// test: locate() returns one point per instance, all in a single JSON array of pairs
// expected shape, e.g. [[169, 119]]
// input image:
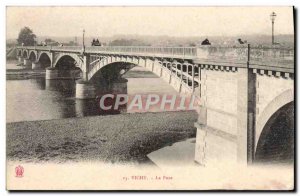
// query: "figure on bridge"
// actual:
[[96, 43], [241, 41], [205, 42]]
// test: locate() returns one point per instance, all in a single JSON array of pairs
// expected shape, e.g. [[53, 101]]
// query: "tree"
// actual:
[[26, 37], [49, 40], [128, 42]]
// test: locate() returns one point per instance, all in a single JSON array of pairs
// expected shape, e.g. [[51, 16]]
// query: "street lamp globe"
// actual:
[[273, 16]]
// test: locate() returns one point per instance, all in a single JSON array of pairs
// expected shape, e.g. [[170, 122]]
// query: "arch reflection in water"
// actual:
[[65, 87], [39, 82], [71, 107], [116, 87]]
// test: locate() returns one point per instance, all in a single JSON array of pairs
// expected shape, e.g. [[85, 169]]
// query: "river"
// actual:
[[38, 99]]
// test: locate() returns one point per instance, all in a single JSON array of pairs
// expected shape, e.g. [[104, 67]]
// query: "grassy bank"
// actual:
[[115, 138]]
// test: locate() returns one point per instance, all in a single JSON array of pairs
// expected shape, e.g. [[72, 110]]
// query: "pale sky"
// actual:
[[171, 21]]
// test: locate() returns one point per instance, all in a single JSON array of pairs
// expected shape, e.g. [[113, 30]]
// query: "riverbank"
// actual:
[[114, 138], [22, 74], [16, 71]]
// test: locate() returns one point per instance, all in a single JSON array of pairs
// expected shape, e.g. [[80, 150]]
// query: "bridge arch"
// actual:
[[162, 69], [275, 130], [44, 54], [32, 56], [25, 54], [125, 64], [113, 70], [69, 65], [44, 60], [19, 52], [67, 60]]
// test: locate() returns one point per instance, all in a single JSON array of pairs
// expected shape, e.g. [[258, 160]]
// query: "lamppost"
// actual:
[[273, 16], [83, 46], [83, 38]]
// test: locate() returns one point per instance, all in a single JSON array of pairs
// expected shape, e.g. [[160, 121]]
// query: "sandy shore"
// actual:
[[114, 138]]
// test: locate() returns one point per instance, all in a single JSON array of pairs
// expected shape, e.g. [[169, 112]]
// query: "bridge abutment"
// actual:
[[226, 120]]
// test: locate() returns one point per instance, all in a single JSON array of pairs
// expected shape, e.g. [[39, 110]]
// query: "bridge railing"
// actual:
[[55, 48], [267, 57], [146, 50], [225, 54], [270, 57], [164, 51], [276, 57]]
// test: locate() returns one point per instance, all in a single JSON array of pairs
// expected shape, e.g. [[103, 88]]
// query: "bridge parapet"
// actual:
[[223, 55], [268, 58], [54, 48], [180, 52], [274, 58]]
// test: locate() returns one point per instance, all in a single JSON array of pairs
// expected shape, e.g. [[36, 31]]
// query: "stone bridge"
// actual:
[[246, 111]]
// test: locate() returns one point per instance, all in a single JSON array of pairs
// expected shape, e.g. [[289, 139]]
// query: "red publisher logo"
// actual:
[[19, 171]]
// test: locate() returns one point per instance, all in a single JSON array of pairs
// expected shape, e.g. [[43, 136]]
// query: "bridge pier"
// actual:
[[119, 86], [36, 65], [52, 73], [27, 62], [85, 90], [20, 59], [86, 63]]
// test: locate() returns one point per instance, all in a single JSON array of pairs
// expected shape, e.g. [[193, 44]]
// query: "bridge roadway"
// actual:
[[243, 90]]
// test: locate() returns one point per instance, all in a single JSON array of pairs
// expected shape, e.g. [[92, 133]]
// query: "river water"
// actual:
[[39, 99]]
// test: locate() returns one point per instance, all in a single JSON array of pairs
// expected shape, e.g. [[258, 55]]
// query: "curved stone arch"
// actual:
[[39, 54], [79, 61], [19, 52], [34, 52], [25, 52], [278, 102], [108, 61]]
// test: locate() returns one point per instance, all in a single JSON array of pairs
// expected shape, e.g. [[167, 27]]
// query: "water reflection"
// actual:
[[39, 82], [65, 87], [40, 99]]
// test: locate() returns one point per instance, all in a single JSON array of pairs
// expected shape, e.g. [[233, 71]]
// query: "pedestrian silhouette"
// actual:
[[205, 42], [241, 42]]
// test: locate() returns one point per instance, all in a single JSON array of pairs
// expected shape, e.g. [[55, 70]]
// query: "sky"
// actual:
[[171, 21]]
